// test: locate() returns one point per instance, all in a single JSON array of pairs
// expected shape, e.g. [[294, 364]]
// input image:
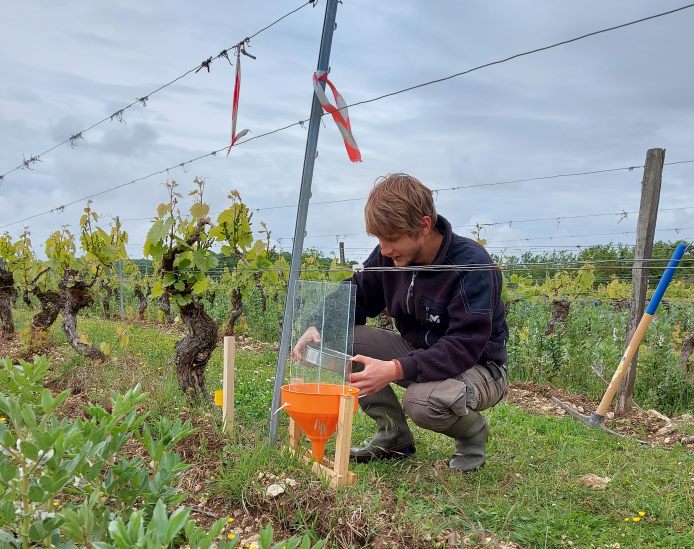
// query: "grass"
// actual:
[[528, 492]]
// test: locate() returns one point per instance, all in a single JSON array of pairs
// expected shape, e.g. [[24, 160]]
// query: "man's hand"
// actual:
[[375, 375], [312, 335]]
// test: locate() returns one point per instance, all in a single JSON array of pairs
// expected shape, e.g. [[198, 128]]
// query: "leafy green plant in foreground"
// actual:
[[68, 481]]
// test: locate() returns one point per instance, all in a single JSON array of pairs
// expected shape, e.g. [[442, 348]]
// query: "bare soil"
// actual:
[[11, 346], [647, 426]]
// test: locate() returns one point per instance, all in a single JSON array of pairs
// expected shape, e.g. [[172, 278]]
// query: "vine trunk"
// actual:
[[8, 294], [77, 295], [194, 350]]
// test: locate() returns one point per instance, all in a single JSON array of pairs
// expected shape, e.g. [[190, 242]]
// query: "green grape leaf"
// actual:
[[201, 285]]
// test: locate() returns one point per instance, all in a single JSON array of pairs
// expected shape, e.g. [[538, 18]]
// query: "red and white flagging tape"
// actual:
[[340, 114], [235, 105]]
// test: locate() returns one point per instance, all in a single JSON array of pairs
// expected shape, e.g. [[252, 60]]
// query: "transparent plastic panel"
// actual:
[[325, 357]]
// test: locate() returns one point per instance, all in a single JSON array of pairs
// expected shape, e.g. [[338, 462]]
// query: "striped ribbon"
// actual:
[[340, 114], [235, 105]]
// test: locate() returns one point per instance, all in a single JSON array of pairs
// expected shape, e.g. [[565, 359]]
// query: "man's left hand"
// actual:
[[375, 375]]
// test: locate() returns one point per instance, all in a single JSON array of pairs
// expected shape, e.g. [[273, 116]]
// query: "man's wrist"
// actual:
[[398, 370]]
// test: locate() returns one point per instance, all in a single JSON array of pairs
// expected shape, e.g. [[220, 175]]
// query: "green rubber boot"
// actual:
[[470, 433], [393, 440]]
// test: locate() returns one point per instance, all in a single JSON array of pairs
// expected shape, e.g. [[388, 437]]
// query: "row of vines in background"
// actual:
[[580, 354], [183, 246], [583, 352], [62, 283], [212, 275]]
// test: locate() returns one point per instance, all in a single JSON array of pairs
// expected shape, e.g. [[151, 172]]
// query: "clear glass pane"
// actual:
[[329, 308]]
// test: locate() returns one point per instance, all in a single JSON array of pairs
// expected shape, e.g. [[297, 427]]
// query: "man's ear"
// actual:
[[426, 225]]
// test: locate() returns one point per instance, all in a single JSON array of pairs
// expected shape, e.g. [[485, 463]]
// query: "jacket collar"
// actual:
[[444, 227]]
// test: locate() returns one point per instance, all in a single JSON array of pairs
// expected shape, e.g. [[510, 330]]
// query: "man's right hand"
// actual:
[[312, 335]]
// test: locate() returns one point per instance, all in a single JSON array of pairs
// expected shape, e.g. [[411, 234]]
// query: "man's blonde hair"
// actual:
[[396, 206]]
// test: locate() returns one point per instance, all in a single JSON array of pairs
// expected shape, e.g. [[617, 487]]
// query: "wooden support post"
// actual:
[[645, 232], [344, 435], [228, 384], [294, 435], [337, 472], [343, 261]]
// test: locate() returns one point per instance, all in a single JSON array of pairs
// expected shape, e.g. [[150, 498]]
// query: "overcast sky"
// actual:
[[595, 104]]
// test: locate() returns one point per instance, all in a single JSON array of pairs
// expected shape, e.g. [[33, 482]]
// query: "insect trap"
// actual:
[[318, 393]]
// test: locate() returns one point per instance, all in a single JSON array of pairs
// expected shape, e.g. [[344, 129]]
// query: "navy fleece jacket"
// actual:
[[453, 319]]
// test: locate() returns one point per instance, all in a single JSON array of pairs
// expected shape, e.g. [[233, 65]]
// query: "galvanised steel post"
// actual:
[[302, 211]]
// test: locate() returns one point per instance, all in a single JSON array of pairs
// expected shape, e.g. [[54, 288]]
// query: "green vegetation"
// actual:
[[587, 348], [71, 481], [528, 492], [104, 467], [610, 260]]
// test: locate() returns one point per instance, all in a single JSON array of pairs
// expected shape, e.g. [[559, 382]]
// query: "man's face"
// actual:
[[403, 250]]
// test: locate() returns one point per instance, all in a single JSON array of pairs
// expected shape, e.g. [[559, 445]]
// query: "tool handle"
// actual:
[[640, 331], [624, 364], [666, 278]]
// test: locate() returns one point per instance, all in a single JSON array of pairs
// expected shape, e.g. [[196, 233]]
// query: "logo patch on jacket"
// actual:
[[436, 319]]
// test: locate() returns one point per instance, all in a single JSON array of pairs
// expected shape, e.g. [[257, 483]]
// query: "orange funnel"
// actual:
[[316, 407]]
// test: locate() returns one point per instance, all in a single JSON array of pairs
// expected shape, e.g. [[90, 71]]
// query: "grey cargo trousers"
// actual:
[[433, 405]]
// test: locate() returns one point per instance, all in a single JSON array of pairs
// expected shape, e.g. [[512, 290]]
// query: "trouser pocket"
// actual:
[[488, 385], [435, 405], [451, 394]]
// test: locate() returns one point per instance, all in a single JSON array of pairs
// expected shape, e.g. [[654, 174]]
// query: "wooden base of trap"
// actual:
[[337, 472]]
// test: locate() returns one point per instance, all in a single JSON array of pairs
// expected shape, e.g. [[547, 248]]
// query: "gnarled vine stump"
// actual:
[[194, 350], [685, 354], [26, 298], [77, 295], [560, 312], [236, 311], [165, 307], [51, 303], [142, 293], [8, 294], [108, 292], [385, 321]]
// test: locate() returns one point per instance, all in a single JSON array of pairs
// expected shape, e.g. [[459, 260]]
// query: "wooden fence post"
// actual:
[[645, 232], [228, 384]]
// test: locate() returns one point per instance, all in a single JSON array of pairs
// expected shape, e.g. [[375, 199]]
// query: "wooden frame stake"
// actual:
[[228, 384], [337, 472]]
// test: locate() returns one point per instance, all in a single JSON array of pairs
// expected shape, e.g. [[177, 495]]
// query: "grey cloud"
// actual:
[[135, 140], [598, 103]]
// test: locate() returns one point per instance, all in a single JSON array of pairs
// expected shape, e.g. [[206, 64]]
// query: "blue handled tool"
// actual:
[[597, 417]]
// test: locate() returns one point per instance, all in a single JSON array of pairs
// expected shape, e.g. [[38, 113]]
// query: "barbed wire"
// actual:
[[489, 245], [460, 187], [62, 207], [544, 249], [118, 114], [585, 297], [676, 230], [430, 82], [622, 213], [540, 247], [522, 54], [507, 267], [598, 280]]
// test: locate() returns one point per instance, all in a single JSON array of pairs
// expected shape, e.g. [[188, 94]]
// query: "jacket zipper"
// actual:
[[410, 293]]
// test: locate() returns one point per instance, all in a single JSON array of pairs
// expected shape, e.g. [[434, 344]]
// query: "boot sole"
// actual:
[[383, 455], [462, 470]]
